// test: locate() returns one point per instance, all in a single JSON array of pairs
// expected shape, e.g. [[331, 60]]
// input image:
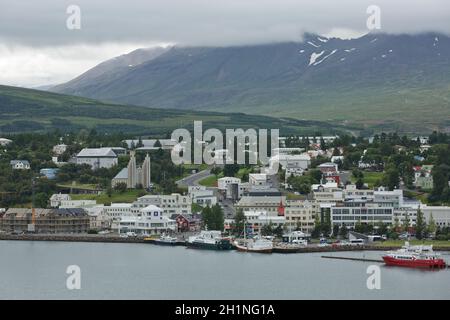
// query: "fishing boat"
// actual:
[[414, 257], [166, 240], [255, 245], [210, 240]]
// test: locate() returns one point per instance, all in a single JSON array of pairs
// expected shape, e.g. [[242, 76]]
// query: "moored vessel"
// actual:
[[415, 257], [166, 240], [255, 245], [210, 240]]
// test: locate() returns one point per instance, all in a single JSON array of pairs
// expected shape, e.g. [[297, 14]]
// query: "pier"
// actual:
[[354, 259]]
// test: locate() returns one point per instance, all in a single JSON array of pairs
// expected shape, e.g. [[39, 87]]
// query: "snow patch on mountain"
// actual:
[[323, 59], [322, 39], [313, 44], [314, 57]]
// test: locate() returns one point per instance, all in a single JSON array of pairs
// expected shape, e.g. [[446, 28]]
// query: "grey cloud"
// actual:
[[208, 22]]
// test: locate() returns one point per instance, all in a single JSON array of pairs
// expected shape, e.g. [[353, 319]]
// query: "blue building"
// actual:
[[49, 173]]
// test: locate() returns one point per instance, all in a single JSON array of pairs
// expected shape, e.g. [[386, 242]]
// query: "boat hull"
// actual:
[[417, 263], [165, 243], [222, 245], [245, 249]]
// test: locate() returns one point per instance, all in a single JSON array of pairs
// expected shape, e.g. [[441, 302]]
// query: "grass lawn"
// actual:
[[127, 197], [370, 178], [210, 181], [79, 186], [440, 243]]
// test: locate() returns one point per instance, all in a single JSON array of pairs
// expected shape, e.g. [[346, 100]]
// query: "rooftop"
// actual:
[[97, 152]]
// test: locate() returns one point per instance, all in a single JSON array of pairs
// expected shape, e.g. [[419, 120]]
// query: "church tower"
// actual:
[[146, 178], [132, 181]]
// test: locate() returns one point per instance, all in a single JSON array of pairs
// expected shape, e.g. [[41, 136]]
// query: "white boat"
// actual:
[[255, 245]]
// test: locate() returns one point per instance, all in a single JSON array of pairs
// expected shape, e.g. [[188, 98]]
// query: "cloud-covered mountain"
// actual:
[[377, 79]]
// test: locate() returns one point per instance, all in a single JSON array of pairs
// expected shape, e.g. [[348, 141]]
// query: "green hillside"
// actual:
[[25, 110]]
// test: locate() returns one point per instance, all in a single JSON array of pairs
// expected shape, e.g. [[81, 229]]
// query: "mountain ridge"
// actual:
[[375, 79]]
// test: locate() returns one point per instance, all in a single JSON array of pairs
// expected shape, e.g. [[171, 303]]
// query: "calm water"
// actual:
[[30, 270]]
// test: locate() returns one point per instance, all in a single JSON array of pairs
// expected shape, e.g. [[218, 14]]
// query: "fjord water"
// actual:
[[37, 270]]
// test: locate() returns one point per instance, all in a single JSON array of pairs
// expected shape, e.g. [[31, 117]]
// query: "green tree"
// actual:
[[121, 187], [431, 229], [406, 223], [420, 225], [239, 222], [343, 231]]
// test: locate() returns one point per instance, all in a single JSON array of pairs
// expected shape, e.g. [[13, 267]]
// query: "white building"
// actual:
[[350, 213], [222, 183], [97, 157], [258, 219], [235, 191], [150, 144], [202, 196], [170, 204], [150, 220], [440, 214], [55, 199], [257, 179], [267, 203], [301, 161], [20, 164], [68, 204], [4, 142], [59, 149], [328, 192]]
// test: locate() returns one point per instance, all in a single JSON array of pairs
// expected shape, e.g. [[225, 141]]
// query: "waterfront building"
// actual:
[[46, 220], [262, 200], [187, 222], [349, 213], [149, 221], [440, 215], [301, 215], [256, 220], [97, 157]]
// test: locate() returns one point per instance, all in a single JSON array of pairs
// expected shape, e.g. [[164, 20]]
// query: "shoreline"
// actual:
[[117, 239]]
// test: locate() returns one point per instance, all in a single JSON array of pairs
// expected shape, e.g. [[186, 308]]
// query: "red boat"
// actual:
[[414, 257]]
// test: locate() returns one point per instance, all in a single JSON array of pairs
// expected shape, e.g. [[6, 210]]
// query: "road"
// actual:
[[194, 179]]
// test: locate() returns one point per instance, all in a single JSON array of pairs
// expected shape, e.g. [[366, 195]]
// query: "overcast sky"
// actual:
[[36, 47]]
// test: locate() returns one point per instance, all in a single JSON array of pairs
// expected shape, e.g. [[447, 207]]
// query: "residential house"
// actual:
[[187, 222], [20, 164], [423, 177]]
